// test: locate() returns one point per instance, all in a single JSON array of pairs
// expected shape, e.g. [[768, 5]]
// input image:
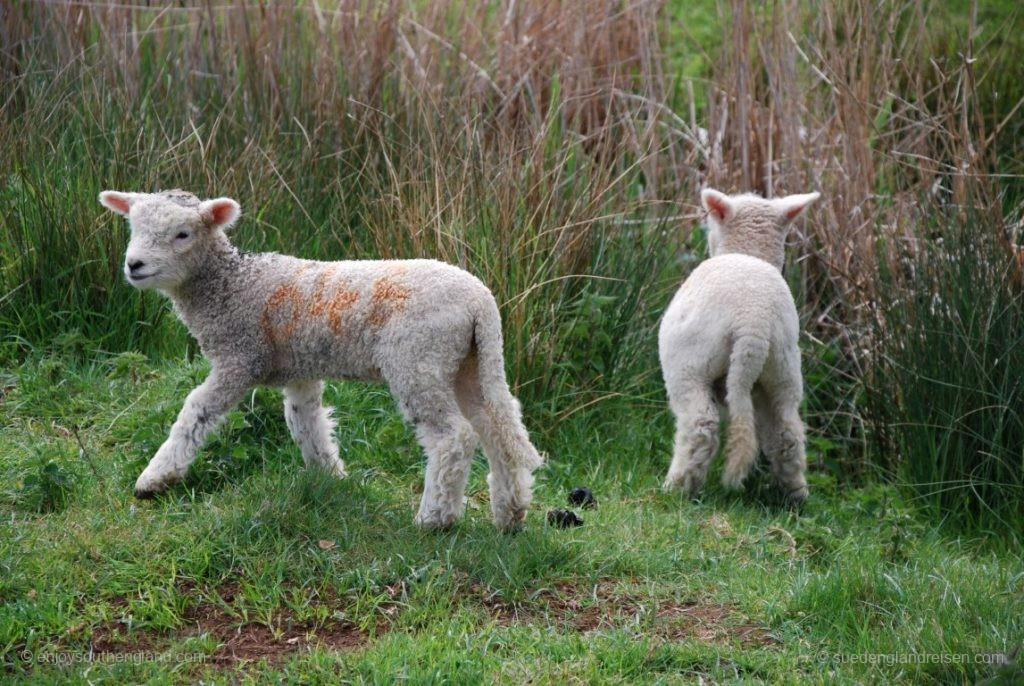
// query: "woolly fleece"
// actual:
[[729, 338], [430, 330]]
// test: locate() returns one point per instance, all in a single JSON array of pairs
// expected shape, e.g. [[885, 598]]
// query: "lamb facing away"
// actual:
[[430, 330], [729, 337]]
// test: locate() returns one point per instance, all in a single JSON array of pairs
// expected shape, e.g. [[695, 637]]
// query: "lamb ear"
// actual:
[[220, 213], [117, 201], [716, 203], [793, 205]]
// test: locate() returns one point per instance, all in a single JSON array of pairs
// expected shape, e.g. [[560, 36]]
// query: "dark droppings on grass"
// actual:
[[582, 497], [238, 640], [564, 519]]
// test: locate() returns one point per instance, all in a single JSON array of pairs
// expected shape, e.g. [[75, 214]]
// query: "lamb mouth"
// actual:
[[135, 278]]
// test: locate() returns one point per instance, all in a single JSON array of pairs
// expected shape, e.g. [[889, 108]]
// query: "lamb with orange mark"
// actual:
[[430, 330]]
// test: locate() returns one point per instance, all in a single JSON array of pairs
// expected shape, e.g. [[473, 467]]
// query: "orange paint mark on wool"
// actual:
[[388, 298], [342, 300], [333, 304], [278, 324], [319, 302]]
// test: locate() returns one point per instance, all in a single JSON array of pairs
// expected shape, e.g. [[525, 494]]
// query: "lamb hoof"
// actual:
[[510, 522], [511, 528], [798, 496], [152, 482], [685, 483], [672, 482], [334, 469], [733, 482], [434, 522]]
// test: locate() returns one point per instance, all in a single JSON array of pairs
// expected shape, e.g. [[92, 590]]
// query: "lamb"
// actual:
[[729, 337], [430, 330]]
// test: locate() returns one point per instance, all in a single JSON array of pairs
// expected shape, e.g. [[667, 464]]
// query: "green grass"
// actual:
[[654, 588], [554, 151], [958, 435], [571, 193]]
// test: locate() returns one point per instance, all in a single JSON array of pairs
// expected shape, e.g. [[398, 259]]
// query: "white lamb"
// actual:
[[730, 337], [430, 330]]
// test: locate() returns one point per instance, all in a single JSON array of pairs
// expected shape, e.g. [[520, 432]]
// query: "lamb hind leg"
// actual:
[[447, 438], [781, 433], [510, 483], [696, 440], [311, 426], [789, 460], [449, 443], [203, 409]]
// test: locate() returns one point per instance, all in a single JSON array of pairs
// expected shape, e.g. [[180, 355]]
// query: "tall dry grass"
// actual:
[[521, 142], [553, 148], [853, 98], [905, 121]]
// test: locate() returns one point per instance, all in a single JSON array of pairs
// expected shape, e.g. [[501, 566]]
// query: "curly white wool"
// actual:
[[729, 337], [430, 330]]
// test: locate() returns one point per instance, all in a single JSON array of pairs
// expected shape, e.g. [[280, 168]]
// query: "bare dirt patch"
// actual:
[[239, 640], [217, 614], [710, 623], [605, 607]]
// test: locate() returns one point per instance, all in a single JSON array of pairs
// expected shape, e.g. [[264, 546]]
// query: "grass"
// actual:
[[966, 305], [555, 150], [335, 582]]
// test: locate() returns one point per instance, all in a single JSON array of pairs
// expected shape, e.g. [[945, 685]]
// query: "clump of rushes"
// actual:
[[949, 383]]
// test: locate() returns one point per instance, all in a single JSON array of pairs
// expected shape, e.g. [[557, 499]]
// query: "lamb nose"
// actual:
[[137, 264]]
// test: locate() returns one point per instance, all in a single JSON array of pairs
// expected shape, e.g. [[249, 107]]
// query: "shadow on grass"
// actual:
[[288, 524], [254, 439], [760, 494]]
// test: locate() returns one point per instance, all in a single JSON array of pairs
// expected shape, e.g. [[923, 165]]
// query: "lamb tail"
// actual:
[[749, 354]]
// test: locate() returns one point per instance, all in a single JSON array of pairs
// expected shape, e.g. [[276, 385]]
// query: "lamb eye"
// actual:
[[182, 235]]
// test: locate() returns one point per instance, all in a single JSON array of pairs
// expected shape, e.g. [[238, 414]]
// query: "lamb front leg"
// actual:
[[311, 426], [204, 407]]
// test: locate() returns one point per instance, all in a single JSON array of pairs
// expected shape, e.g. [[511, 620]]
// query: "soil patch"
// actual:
[[605, 607], [238, 640]]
